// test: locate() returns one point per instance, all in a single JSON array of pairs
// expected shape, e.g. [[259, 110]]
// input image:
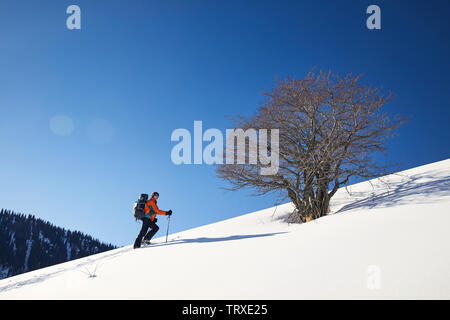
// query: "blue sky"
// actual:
[[137, 70]]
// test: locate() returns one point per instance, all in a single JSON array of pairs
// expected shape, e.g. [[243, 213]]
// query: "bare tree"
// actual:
[[330, 128]]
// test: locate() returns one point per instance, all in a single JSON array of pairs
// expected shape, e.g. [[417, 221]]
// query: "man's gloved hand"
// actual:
[[155, 220], [169, 213]]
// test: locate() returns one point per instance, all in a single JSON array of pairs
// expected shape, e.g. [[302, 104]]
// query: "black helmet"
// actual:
[[155, 194]]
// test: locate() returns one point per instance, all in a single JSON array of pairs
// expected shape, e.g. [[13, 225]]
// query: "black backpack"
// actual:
[[138, 209]]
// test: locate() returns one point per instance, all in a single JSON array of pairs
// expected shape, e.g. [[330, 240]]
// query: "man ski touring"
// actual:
[[149, 221]]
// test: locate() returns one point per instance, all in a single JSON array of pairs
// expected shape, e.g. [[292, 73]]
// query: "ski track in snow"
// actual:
[[63, 267]]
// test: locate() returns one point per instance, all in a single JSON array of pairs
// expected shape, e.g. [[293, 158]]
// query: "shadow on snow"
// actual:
[[219, 239], [411, 191]]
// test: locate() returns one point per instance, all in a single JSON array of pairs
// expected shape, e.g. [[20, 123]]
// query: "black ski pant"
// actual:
[[146, 224]]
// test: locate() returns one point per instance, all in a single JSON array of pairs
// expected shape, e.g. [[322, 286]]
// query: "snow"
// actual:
[[27, 254], [380, 242], [69, 250], [13, 239], [3, 272]]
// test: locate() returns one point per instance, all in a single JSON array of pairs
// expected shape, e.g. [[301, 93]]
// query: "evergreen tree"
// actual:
[[28, 243]]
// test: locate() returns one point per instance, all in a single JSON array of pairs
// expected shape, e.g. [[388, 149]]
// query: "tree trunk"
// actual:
[[310, 205]]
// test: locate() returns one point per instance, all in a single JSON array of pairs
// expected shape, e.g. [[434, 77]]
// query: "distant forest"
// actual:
[[28, 243]]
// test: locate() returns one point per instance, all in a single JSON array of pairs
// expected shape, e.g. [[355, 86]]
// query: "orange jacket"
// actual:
[[151, 209]]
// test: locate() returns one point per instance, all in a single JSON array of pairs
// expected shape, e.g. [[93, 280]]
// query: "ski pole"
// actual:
[[168, 222]]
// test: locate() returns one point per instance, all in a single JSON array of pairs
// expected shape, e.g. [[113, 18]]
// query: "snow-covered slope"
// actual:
[[380, 242]]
